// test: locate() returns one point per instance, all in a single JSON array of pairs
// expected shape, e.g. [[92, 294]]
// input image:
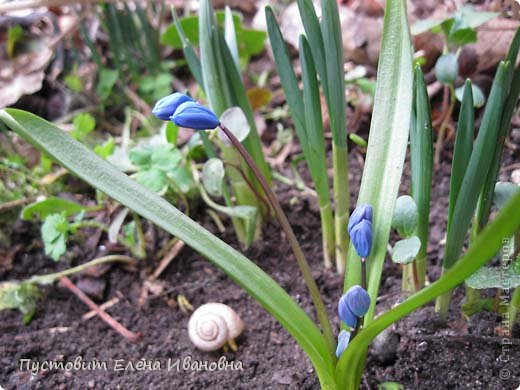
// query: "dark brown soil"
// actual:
[[419, 352]]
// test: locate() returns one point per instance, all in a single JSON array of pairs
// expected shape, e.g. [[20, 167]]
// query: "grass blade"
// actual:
[[463, 146], [387, 143], [335, 91], [421, 164], [231, 36], [189, 52], [315, 150], [77, 158], [474, 178]]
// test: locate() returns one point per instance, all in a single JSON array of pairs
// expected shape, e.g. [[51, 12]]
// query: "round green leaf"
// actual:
[[478, 96], [235, 120], [213, 176], [406, 250], [503, 192], [405, 215], [447, 68]]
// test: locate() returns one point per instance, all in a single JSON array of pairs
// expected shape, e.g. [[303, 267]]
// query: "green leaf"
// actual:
[[475, 18], [387, 143], [424, 25], [107, 80], [141, 156], [55, 231], [106, 149], [85, 164], [504, 192], [405, 216], [235, 120], [51, 205], [21, 296], [477, 170], [182, 179], [83, 125], [463, 146], [447, 68], [249, 41], [478, 96], [390, 386], [230, 35], [421, 167], [213, 176], [154, 179], [165, 157], [485, 246], [14, 35], [493, 277], [405, 251]]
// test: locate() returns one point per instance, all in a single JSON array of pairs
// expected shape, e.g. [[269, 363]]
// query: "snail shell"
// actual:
[[212, 325]]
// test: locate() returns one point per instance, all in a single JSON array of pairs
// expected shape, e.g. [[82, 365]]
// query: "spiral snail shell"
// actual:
[[213, 325]]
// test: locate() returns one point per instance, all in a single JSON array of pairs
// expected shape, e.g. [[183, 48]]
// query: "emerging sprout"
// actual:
[[214, 325]]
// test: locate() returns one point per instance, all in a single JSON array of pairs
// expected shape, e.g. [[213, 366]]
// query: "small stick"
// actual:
[[108, 304], [127, 334], [165, 261]]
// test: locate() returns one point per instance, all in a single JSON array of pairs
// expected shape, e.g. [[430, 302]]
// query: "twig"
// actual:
[[127, 334], [14, 203], [165, 261], [108, 304]]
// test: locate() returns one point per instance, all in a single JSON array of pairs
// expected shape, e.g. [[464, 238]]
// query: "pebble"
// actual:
[[515, 176]]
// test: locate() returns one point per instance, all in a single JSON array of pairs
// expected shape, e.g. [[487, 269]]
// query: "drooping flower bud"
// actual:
[[167, 106], [362, 212], [345, 313], [357, 300], [343, 340], [195, 116], [361, 237]]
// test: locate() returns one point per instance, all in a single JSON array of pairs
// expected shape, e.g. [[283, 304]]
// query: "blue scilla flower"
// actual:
[[194, 116], [167, 106], [362, 212], [361, 237], [345, 313], [343, 340], [357, 300]]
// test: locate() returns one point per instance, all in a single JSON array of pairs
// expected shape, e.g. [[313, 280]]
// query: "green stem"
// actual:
[[327, 225], [298, 253], [342, 202], [51, 278]]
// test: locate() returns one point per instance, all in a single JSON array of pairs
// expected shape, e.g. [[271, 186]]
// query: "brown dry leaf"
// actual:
[[24, 75], [493, 41], [361, 36]]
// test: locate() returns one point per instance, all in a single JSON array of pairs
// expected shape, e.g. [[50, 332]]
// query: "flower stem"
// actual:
[[298, 253]]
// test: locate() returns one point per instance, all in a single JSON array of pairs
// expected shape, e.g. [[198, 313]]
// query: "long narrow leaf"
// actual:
[[105, 177], [463, 146], [189, 52], [387, 142], [477, 170], [421, 164], [315, 154]]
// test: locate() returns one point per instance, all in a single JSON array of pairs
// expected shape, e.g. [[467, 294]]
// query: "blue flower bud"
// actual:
[[362, 212], [167, 106], [361, 237], [343, 340], [194, 116], [345, 313], [357, 300]]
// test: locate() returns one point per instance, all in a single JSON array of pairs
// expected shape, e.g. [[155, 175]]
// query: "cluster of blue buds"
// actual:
[[360, 229], [353, 305], [185, 112]]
